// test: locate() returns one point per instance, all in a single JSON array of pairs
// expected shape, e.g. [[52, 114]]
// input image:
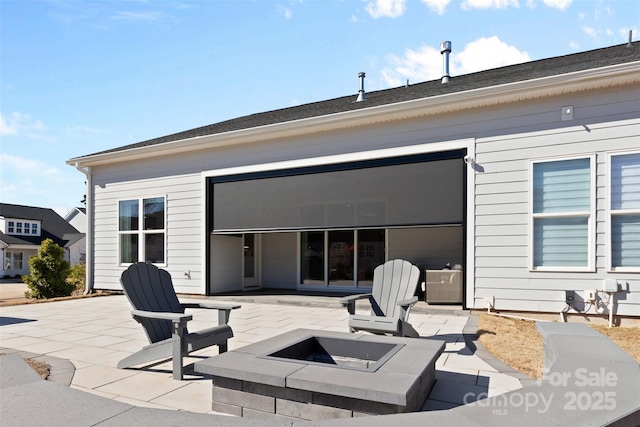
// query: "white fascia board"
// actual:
[[23, 246], [598, 78]]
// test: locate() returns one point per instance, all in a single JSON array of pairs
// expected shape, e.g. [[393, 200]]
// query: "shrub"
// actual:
[[47, 273], [78, 278]]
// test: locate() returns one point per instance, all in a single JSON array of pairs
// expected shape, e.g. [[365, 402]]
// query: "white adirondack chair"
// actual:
[[392, 296]]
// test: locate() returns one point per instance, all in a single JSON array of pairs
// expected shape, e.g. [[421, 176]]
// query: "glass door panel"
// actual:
[[341, 244], [250, 260], [370, 254], [312, 257]]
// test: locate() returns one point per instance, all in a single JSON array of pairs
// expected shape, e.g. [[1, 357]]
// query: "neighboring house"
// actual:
[[78, 218], [526, 176], [24, 228]]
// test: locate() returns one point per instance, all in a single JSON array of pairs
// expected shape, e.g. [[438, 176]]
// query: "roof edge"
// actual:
[[590, 79]]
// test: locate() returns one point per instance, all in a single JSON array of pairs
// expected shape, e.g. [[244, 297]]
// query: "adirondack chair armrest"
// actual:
[[350, 301], [405, 305], [174, 317], [408, 302], [224, 310], [210, 305]]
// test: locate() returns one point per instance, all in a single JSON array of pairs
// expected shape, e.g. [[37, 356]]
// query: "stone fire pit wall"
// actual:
[[247, 384]]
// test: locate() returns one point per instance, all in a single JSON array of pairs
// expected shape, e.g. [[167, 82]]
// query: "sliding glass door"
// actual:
[[341, 257]]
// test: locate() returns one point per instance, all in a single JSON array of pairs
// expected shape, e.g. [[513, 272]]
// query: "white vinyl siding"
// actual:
[[624, 229], [503, 139], [562, 210], [605, 122]]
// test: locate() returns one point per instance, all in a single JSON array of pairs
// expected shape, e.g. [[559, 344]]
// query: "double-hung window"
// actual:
[[142, 231], [562, 214], [624, 210]]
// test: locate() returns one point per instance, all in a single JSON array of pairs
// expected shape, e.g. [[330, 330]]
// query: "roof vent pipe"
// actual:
[[361, 91], [630, 44], [445, 50]]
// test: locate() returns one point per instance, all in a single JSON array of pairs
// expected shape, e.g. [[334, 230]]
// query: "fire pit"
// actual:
[[340, 352], [308, 374]]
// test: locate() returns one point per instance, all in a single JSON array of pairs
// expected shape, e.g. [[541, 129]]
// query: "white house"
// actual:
[[527, 177], [78, 218], [24, 228]]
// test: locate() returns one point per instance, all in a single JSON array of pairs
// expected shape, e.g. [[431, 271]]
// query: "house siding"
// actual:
[[603, 122], [181, 179], [183, 222], [503, 140]]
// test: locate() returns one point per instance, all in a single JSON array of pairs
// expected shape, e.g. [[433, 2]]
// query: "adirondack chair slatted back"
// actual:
[[393, 281], [149, 288]]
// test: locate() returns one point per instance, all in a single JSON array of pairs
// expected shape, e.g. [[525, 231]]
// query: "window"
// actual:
[[142, 239], [13, 261], [562, 214], [624, 190], [22, 227]]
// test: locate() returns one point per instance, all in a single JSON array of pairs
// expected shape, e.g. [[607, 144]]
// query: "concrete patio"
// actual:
[[95, 333]]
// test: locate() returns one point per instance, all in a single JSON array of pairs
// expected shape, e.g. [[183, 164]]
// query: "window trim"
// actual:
[[591, 217], [611, 212], [141, 232]]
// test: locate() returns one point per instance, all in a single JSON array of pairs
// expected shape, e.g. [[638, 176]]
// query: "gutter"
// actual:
[[89, 283]]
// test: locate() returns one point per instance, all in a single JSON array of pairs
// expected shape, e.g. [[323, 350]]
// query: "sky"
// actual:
[[80, 76]]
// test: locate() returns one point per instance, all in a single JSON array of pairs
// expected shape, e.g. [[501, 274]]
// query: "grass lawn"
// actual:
[[518, 344]]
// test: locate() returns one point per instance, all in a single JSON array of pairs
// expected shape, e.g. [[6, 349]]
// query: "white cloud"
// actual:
[[19, 164], [385, 8], [437, 6], [285, 11], [19, 124], [31, 182], [421, 64], [558, 4], [486, 53], [590, 31], [148, 16], [489, 4], [425, 63], [84, 130]]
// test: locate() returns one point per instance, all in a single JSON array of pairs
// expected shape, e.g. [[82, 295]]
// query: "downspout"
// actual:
[[89, 238]]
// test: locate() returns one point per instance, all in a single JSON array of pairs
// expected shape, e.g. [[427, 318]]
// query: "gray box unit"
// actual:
[[444, 286]]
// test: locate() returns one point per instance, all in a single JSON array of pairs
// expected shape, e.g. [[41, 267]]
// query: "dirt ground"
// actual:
[[519, 344], [12, 291]]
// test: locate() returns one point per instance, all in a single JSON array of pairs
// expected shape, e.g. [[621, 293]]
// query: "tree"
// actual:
[[48, 273], [77, 278]]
